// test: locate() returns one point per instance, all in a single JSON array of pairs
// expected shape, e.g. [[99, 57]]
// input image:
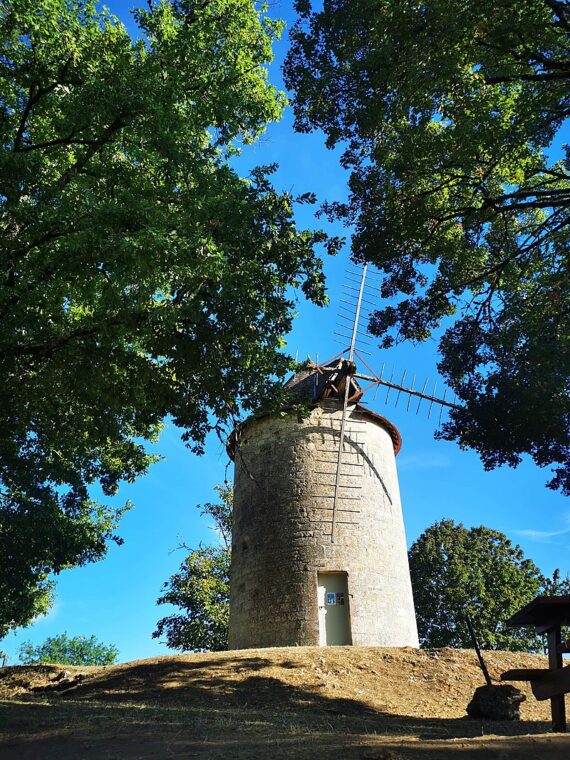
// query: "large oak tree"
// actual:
[[448, 114], [140, 275]]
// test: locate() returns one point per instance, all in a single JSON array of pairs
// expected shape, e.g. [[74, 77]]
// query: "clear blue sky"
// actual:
[[115, 599]]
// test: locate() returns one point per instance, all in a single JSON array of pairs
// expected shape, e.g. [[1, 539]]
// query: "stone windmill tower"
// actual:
[[319, 552]]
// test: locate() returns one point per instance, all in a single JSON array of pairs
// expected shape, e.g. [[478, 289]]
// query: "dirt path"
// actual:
[[381, 704]]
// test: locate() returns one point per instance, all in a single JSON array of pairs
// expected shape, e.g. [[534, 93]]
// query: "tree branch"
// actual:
[[69, 140], [95, 146], [33, 99], [48, 347], [551, 76]]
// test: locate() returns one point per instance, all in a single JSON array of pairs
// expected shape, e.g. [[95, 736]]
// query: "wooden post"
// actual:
[[557, 706]]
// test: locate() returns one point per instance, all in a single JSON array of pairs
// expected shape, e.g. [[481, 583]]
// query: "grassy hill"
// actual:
[[306, 702]]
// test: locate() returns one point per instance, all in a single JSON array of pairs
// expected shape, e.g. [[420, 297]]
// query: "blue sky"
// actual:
[[115, 599]]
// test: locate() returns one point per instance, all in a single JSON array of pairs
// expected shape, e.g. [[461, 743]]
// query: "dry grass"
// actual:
[[342, 702]]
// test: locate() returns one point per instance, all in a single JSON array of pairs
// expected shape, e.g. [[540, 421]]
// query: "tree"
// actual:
[[201, 588], [65, 650], [456, 571], [141, 276], [448, 114], [557, 586]]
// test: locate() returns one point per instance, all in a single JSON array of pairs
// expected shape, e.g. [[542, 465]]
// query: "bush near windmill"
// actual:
[[201, 588], [68, 650]]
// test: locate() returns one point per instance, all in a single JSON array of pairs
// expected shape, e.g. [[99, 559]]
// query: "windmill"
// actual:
[[319, 552]]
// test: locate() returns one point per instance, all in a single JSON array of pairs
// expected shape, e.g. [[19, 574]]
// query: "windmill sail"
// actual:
[[340, 376]]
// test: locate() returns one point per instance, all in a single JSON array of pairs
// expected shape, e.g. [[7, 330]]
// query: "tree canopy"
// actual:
[[201, 588], [478, 572], [141, 275], [448, 114], [66, 650]]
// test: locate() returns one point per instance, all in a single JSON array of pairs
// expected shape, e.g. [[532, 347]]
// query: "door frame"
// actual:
[[345, 575]]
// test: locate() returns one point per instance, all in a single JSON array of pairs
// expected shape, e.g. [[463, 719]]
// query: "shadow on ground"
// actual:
[[178, 708]]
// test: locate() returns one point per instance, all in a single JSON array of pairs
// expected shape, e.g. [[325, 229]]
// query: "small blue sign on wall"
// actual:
[[331, 597]]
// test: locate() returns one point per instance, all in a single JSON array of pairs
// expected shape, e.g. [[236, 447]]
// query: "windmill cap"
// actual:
[[318, 382]]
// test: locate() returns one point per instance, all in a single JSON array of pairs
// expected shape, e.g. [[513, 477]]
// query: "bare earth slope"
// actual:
[[307, 702]]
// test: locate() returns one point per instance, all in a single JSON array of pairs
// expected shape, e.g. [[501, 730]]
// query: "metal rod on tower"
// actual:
[[357, 314], [423, 391], [353, 341], [411, 393], [441, 407], [339, 458], [400, 391], [389, 384], [378, 384], [431, 402]]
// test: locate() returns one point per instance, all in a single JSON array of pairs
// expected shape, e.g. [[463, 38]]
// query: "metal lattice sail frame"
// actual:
[[346, 369]]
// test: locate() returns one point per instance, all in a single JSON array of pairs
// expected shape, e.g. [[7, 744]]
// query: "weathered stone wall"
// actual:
[[284, 476]]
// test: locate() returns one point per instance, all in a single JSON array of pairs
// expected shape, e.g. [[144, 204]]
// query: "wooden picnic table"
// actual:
[[547, 614]]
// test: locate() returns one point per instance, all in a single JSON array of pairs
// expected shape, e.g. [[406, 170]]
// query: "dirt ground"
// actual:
[[306, 702]]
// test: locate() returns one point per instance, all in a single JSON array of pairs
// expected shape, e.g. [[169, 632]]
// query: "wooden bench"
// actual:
[[547, 614], [545, 684]]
